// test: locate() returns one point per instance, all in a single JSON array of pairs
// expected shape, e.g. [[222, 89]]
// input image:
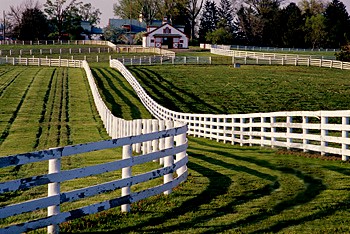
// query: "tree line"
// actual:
[[56, 19], [308, 24]]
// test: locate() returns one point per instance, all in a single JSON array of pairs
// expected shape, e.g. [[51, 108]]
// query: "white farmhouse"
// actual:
[[172, 37]]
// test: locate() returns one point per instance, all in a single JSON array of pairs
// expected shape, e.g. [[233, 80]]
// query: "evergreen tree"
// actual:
[[226, 13], [292, 26], [209, 20], [33, 26], [337, 24]]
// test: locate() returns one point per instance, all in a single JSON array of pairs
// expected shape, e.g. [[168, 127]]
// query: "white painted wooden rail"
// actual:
[[152, 140], [56, 175], [279, 59], [319, 131], [41, 62]]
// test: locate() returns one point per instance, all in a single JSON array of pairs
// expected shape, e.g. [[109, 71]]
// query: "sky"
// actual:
[[105, 6]]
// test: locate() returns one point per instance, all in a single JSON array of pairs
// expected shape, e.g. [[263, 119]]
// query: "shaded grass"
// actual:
[[238, 189], [250, 89]]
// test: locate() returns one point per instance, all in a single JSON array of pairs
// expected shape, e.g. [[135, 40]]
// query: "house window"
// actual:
[[181, 41], [152, 40], [166, 30]]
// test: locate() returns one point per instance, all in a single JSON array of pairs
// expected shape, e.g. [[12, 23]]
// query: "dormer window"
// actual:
[[166, 30]]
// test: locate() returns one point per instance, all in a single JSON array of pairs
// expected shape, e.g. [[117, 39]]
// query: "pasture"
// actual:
[[230, 188], [249, 89]]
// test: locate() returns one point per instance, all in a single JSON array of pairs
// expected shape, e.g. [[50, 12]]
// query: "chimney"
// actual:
[[165, 20]]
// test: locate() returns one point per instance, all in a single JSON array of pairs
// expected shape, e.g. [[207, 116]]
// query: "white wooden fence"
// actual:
[[153, 139], [326, 132], [41, 62], [280, 59], [261, 48]]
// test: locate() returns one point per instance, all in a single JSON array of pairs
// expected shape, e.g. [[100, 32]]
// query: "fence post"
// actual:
[[54, 190], [126, 173], [345, 135], [289, 131], [161, 140], [273, 130], [324, 133], [263, 130], [305, 132], [149, 130], [180, 140], [155, 143], [210, 60], [168, 160]]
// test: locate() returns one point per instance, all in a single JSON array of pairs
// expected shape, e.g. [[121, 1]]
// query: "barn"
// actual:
[[165, 36]]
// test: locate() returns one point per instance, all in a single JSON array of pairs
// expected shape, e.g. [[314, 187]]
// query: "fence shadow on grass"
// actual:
[[174, 91], [134, 110], [114, 106]]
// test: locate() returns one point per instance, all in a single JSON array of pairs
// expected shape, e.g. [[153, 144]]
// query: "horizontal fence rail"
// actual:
[[262, 48], [41, 62], [57, 42], [50, 51], [160, 60], [157, 145], [142, 141], [318, 131], [280, 59]]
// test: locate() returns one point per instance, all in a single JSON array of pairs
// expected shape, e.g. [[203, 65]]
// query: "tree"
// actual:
[[225, 11], [312, 7], [250, 26], [127, 9], [14, 16], [193, 8], [344, 54], [66, 17], [259, 22], [88, 13], [220, 36], [315, 30], [208, 20], [337, 24], [113, 34], [149, 10], [293, 23], [34, 25], [60, 13]]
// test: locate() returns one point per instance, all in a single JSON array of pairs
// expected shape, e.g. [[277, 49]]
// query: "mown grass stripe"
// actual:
[[6, 131], [8, 82], [128, 108], [114, 105], [136, 105], [66, 119], [44, 109]]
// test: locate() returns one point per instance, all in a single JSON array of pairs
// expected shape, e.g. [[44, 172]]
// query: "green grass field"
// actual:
[[230, 189], [249, 89]]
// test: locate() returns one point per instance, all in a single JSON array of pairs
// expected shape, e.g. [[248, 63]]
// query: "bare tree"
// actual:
[[194, 7], [14, 15]]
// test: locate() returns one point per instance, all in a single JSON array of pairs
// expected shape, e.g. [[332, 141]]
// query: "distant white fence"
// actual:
[[280, 59], [326, 132], [262, 48], [50, 51], [57, 42], [41, 62], [136, 49], [155, 140], [160, 60]]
